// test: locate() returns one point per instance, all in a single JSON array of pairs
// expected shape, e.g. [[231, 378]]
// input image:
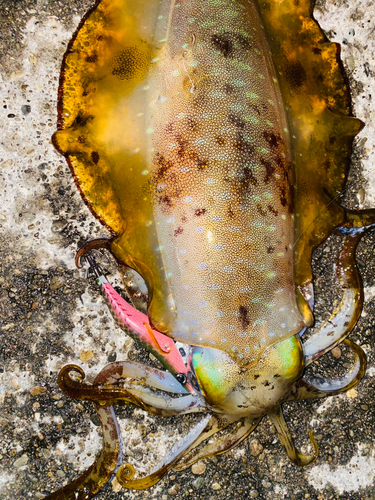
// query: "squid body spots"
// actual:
[[218, 246], [216, 94], [225, 196], [238, 83], [236, 107], [259, 322], [200, 142], [242, 334], [202, 266], [228, 269]]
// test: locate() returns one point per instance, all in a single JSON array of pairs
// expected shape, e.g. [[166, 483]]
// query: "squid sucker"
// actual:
[[213, 139]]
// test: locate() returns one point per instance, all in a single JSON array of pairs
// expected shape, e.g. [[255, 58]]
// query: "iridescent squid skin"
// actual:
[[213, 139]]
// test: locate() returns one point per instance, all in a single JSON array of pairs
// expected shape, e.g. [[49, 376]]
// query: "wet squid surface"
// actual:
[[213, 140]]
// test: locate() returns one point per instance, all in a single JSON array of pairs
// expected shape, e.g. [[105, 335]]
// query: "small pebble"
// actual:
[[198, 483], [173, 490], [20, 462], [138, 454], [35, 391], [26, 109], [253, 494], [364, 407], [57, 282], [142, 429], [361, 196], [336, 352], [216, 486], [4, 421], [198, 468], [15, 384], [255, 447], [86, 355], [352, 394], [112, 357]]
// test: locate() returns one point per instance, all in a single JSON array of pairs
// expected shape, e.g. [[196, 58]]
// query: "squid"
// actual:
[[212, 138]]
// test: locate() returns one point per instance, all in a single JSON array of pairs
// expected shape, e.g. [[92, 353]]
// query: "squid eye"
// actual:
[[181, 377], [194, 382]]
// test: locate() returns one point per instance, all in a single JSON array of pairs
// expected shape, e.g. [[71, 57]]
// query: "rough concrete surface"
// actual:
[[51, 315]]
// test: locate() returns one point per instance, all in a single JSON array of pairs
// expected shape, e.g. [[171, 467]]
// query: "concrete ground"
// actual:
[[51, 315]]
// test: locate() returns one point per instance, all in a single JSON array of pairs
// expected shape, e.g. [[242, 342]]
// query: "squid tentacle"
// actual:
[[225, 443], [359, 221], [286, 440], [312, 388], [92, 481], [185, 453], [345, 316], [126, 471], [119, 370], [106, 391], [96, 477]]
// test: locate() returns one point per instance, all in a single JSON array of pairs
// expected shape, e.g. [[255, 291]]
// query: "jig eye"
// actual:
[[181, 377]]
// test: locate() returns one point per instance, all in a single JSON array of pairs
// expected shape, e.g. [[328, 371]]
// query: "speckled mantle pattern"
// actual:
[[51, 315]]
